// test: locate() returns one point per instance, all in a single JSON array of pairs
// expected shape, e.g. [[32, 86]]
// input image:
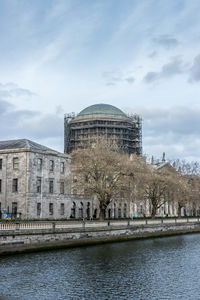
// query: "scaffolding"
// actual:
[[126, 130]]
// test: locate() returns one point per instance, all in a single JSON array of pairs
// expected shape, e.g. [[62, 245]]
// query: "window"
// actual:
[[51, 186], [73, 210], [1, 163], [14, 208], [51, 208], [0, 185], [38, 209], [15, 185], [81, 210], [39, 184], [39, 164], [62, 209], [51, 165], [62, 188], [88, 210], [62, 167], [15, 163]]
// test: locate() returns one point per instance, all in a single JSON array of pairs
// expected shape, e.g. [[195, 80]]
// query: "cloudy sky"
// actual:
[[143, 56]]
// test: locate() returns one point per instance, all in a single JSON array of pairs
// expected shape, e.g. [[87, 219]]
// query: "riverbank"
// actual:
[[40, 236]]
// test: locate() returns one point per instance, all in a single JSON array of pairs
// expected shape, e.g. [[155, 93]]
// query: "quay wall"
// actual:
[[38, 236]]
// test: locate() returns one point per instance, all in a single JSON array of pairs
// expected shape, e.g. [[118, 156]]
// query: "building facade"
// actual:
[[33, 180], [35, 183], [103, 120]]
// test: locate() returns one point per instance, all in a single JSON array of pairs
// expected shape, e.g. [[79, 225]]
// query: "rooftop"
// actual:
[[23, 144], [105, 109]]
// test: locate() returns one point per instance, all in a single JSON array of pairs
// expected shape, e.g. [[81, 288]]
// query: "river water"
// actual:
[[161, 268]]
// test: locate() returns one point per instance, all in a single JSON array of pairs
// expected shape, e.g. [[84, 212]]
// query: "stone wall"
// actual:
[[65, 234]]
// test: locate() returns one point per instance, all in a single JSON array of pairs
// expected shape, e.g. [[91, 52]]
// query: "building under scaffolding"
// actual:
[[103, 120]]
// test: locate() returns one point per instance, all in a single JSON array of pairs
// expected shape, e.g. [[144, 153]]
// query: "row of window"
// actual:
[[117, 212], [51, 166], [73, 210], [38, 187], [62, 209], [97, 122], [39, 165], [51, 209], [51, 186], [74, 213]]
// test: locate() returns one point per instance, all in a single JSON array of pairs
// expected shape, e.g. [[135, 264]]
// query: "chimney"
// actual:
[[163, 158]]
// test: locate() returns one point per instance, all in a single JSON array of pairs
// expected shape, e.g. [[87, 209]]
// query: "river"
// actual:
[[160, 268]]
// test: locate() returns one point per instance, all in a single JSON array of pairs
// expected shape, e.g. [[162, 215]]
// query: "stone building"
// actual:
[[33, 180], [35, 183], [103, 120]]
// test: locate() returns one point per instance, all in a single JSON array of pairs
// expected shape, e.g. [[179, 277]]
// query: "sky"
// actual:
[[143, 56]]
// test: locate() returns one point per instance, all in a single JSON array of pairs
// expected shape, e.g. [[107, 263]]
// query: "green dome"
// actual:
[[105, 109]]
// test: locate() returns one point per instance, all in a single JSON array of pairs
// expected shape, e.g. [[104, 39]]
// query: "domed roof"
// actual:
[[105, 109]]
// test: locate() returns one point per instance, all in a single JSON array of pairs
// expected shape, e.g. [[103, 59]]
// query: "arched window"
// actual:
[[109, 213], [81, 210], [95, 214], [73, 210], [88, 210]]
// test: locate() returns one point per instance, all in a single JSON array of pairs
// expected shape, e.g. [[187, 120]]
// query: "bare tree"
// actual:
[[188, 192], [181, 191], [186, 168], [102, 172], [165, 184], [194, 189], [156, 187]]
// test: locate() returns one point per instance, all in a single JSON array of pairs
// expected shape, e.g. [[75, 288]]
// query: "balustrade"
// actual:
[[92, 224]]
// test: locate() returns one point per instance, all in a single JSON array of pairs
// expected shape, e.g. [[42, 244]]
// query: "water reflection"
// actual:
[[164, 268]]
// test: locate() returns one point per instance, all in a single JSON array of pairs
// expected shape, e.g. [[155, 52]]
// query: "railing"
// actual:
[[59, 225], [24, 226]]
